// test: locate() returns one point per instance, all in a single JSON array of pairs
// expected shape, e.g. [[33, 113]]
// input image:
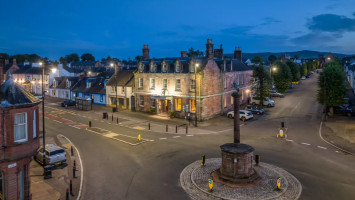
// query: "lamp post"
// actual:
[[196, 65], [114, 65], [43, 121], [272, 79]]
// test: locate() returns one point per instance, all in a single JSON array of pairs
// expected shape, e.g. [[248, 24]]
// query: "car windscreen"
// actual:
[[56, 152]]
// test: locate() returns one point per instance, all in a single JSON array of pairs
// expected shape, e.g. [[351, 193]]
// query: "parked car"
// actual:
[[303, 78], [347, 102], [243, 115], [256, 110], [55, 155], [307, 76], [341, 110], [267, 101], [67, 103], [274, 93]]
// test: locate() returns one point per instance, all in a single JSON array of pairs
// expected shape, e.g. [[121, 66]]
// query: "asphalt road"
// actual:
[[114, 169]]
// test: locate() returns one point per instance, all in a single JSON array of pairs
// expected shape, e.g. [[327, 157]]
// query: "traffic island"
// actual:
[[194, 180]]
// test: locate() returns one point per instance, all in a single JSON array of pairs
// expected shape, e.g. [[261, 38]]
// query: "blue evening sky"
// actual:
[[119, 28]]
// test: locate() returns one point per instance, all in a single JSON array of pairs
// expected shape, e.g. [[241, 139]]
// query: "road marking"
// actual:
[[108, 122], [176, 136], [58, 121], [337, 151], [305, 143], [73, 126], [152, 140], [110, 135], [321, 147], [139, 128], [189, 135], [95, 119], [163, 138], [289, 140]]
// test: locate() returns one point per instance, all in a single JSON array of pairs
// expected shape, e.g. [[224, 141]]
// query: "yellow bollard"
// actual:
[[139, 137], [278, 184], [281, 133], [210, 184]]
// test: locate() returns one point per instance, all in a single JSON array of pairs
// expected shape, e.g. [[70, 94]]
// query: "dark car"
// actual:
[[341, 110], [307, 76], [67, 103], [277, 94], [256, 110]]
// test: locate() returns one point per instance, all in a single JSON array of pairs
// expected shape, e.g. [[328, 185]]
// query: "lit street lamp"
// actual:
[[272, 79], [114, 65], [196, 65]]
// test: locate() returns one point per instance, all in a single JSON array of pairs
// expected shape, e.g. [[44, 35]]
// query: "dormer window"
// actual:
[[192, 68], [177, 67], [141, 67], [68, 84], [152, 67], [54, 83], [164, 68]]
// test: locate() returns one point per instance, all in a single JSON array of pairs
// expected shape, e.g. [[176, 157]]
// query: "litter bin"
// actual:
[[114, 110], [104, 115], [47, 172]]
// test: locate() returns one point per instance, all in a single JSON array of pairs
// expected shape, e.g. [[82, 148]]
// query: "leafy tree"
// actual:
[[295, 70], [74, 57], [282, 77], [138, 58], [87, 57], [272, 58], [21, 58], [4, 56], [261, 82], [192, 53], [257, 60], [333, 85], [303, 69]]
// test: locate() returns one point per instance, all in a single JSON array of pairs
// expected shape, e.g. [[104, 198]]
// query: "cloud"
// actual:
[[331, 23], [269, 20], [315, 38], [236, 30]]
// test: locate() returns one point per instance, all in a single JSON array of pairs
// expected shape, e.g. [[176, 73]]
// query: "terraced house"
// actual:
[[200, 86]]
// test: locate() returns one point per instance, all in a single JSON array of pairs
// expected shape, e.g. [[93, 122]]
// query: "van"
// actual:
[[267, 101]]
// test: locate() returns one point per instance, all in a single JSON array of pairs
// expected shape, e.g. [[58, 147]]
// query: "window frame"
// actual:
[[177, 104], [140, 83], [26, 128], [141, 101], [166, 84], [176, 84], [192, 83], [177, 68], [152, 84], [193, 105]]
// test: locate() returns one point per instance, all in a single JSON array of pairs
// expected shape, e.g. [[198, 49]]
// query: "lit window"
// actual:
[[232, 100], [141, 100], [225, 101], [88, 84], [165, 83], [152, 83], [164, 67], [20, 127], [238, 78], [193, 105], [140, 82], [177, 86], [178, 104]]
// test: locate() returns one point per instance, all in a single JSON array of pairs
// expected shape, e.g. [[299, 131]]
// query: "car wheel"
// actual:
[[243, 119], [230, 116], [268, 105], [258, 113], [66, 105]]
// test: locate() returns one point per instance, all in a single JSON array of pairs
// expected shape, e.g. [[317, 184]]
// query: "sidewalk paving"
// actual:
[[55, 187]]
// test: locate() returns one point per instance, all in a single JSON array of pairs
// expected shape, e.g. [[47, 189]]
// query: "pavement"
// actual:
[[115, 169], [55, 187]]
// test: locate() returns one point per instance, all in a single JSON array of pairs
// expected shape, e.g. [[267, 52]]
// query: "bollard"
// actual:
[[74, 172], [112, 117], [187, 129], [71, 188], [210, 184], [203, 160], [72, 150], [166, 128], [117, 119], [148, 125], [89, 123], [282, 124], [257, 159], [176, 129], [74, 163], [67, 194]]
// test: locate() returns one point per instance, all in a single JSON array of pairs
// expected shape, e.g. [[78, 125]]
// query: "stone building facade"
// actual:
[[168, 85], [19, 116]]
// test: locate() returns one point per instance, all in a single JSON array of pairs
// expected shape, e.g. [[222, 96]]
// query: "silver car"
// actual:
[[55, 155]]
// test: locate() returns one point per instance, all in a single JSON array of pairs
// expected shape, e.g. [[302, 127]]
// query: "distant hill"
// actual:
[[305, 54]]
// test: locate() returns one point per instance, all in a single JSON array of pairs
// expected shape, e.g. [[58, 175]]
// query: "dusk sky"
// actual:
[[119, 28]]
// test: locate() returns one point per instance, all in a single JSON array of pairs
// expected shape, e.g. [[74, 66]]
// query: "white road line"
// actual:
[[305, 143], [108, 122], [176, 136], [74, 126], [152, 140], [321, 147], [189, 135], [289, 140], [163, 138], [58, 121], [337, 151]]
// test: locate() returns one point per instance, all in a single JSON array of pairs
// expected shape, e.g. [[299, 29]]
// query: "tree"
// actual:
[[333, 85], [282, 77], [296, 57], [260, 82], [138, 58], [74, 57], [295, 70], [272, 58], [4, 56], [303, 69], [257, 60], [192, 53], [87, 57]]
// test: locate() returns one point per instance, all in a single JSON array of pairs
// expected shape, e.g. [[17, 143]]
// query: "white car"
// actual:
[[267, 101], [55, 155], [243, 115], [303, 78]]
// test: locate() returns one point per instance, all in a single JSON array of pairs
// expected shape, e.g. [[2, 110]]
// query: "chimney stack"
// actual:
[[238, 54], [218, 53], [145, 52], [14, 62], [209, 49], [183, 54], [1, 71]]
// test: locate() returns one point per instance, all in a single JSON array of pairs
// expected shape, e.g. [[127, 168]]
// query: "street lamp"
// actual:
[[196, 65], [43, 125], [272, 79], [114, 65], [54, 70]]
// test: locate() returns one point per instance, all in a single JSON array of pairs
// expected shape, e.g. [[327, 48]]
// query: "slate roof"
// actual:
[[12, 94], [97, 85], [62, 82], [124, 78], [27, 69]]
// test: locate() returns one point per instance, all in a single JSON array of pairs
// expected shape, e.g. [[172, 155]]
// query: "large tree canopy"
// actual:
[[87, 57], [295, 70], [257, 60], [282, 76], [260, 82]]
